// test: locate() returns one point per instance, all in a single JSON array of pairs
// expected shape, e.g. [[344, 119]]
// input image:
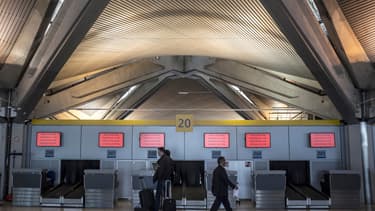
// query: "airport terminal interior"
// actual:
[[90, 90]]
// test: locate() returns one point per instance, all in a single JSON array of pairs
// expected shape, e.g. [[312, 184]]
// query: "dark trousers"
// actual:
[[159, 192], [218, 201]]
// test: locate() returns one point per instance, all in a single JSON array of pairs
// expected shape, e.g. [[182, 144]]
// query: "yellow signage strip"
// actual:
[[196, 122], [267, 122], [104, 122]]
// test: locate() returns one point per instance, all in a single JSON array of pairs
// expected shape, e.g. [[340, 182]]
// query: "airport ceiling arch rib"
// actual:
[[71, 24], [345, 41], [299, 25], [218, 75], [261, 82], [120, 78], [21, 25]]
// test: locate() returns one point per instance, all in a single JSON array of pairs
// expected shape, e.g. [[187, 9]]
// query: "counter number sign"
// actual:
[[184, 123]]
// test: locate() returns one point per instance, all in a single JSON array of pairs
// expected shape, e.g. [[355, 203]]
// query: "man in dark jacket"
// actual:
[[220, 183], [162, 173]]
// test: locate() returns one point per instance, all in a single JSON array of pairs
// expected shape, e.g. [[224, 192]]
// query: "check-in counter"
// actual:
[[100, 188], [270, 187], [27, 185], [343, 187]]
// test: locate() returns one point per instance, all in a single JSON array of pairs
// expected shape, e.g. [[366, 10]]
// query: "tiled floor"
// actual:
[[125, 205]]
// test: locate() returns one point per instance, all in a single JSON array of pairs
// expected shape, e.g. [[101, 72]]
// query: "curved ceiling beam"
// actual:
[[299, 25], [264, 84], [360, 66], [35, 19], [142, 93], [71, 24], [229, 97], [114, 81]]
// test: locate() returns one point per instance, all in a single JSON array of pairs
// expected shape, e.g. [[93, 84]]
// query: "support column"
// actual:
[[365, 162]]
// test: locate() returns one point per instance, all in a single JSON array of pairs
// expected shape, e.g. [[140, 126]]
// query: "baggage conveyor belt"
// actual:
[[295, 199], [74, 198], [57, 197], [306, 194]]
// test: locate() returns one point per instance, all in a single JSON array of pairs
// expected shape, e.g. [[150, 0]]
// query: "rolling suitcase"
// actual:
[[169, 204], [146, 197]]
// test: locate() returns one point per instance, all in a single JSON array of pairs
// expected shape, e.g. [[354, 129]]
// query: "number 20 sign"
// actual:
[[184, 123]]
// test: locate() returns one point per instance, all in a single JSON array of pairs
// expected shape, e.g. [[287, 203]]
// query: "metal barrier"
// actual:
[[343, 187], [270, 187], [100, 188], [27, 187]]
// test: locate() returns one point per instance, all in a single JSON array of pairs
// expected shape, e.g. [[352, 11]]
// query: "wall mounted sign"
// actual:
[[216, 140], [184, 123], [111, 140], [258, 140], [48, 139], [322, 140], [151, 140]]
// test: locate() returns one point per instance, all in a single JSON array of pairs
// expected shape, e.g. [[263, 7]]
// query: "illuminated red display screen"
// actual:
[[111, 140], [322, 140], [151, 140], [258, 140], [48, 139], [216, 140]]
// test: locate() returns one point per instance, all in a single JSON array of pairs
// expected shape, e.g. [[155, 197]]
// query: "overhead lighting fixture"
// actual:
[[242, 94], [55, 12], [127, 93], [193, 92]]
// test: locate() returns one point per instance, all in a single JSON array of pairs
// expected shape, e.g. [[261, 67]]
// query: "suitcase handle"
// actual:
[[142, 182], [168, 189]]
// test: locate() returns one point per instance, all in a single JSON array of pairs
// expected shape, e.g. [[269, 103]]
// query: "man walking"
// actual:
[[220, 183], [162, 173]]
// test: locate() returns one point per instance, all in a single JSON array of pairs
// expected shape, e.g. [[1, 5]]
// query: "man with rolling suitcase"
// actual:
[[162, 173]]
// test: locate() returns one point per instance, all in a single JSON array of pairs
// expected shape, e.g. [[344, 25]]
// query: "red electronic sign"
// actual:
[[258, 140], [111, 140], [48, 139], [151, 140], [322, 140], [216, 140]]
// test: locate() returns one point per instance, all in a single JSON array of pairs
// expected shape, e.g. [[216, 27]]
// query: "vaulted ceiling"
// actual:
[[254, 59]]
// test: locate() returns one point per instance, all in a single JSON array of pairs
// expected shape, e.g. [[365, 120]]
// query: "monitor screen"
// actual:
[[151, 140], [322, 140], [216, 140], [258, 140], [111, 139], [48, 139]]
